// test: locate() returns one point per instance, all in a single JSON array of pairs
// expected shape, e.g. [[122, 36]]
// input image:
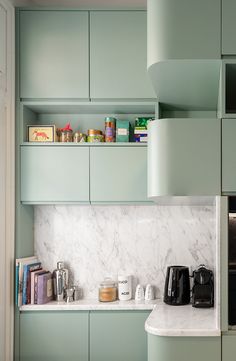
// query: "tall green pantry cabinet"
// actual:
[[78, 66]]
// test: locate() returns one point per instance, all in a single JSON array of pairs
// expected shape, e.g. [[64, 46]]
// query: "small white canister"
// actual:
[[124, 287]]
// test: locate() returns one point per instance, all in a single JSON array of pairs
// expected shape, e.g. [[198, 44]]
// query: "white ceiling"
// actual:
[[84, 4]]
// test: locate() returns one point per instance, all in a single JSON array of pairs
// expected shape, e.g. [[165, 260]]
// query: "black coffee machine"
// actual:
[[203, 288], [177, 286]]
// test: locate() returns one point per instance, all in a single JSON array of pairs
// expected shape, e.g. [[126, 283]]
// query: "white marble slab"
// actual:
[[102, 241], [186, 320], [91, 305]]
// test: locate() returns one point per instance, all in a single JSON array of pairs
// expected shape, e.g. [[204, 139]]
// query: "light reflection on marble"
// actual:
[[100, 241]]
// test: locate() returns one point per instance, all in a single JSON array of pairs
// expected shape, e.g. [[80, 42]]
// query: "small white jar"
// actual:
[[124, 287]]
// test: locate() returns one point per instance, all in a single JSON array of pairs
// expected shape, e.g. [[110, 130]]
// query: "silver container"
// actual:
[[60, 281]]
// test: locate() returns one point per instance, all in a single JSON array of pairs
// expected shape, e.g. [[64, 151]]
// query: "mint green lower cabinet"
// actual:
[[118, 174], [161, 348], [228, 156], [118, 336], [51, 174], [228, 347], [184, 157], [54, 336]]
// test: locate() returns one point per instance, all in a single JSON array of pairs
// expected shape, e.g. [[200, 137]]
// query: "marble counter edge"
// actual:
[[167, 321], [92, 305]]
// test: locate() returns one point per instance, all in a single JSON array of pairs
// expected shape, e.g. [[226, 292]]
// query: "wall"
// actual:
[[99, 241]]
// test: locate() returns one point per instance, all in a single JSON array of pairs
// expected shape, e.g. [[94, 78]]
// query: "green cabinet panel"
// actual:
[[184, 157], [54, 54], [184, 348], [54, 174], [183, 29], [118, 174], [228, 347], [228, 156], [228, 27], [118, 49], [54, 336], [118, 336]]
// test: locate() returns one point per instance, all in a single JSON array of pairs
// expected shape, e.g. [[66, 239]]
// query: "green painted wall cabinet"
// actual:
[[118, 57], [59, 48], [228, 27], [228, 156], [184, 157], [54, 174], [54, 54], [65, 174]]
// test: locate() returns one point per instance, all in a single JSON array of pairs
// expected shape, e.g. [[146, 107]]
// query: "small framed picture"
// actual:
[[43, 133]]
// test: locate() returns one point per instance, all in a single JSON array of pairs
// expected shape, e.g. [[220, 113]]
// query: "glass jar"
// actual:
[[79, 137], [110, 129], [108, 291], [66, 136], [95, 136]]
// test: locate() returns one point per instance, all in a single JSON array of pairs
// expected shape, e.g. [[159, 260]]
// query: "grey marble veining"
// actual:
[[100, 241]]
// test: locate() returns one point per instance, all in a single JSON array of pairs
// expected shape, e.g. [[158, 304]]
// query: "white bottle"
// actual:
[[124, 287]]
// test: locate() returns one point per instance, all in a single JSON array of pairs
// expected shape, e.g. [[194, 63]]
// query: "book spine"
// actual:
[[25, 269]]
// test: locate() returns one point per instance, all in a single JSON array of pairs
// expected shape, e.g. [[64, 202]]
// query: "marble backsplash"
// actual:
[[100, 241]]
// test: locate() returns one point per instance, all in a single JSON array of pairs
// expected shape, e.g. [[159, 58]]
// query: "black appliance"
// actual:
[[232, 297], [177, 286], [203, 288]]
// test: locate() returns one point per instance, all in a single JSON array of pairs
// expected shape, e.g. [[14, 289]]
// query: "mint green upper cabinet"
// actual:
[[54, 336], [118, 336], [51, 174], [54, 54], [118, 63], [183, 29], [118, 174], [184, 52], [228, 27], [228, 156], [184, 157]]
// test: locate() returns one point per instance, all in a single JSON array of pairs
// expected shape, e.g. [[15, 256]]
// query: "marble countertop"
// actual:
[[91, 305], [186, 320]]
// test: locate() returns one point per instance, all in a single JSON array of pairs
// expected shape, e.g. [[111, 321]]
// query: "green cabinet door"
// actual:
[[184, 157], [118, 174], [184, 348], [228, 156], [228, 347], [118, 336], [184, 29], [118, 55], [54, 54], [51, 174], [228, 27], [54, 336]]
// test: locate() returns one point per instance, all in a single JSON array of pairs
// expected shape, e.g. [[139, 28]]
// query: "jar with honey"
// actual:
[[107, 290]]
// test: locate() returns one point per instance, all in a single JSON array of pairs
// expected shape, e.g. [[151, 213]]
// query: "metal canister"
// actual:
[[95, 136], [110, 129], [60, 281]]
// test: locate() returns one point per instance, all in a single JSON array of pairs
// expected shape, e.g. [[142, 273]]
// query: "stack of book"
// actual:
[[33, 283]]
